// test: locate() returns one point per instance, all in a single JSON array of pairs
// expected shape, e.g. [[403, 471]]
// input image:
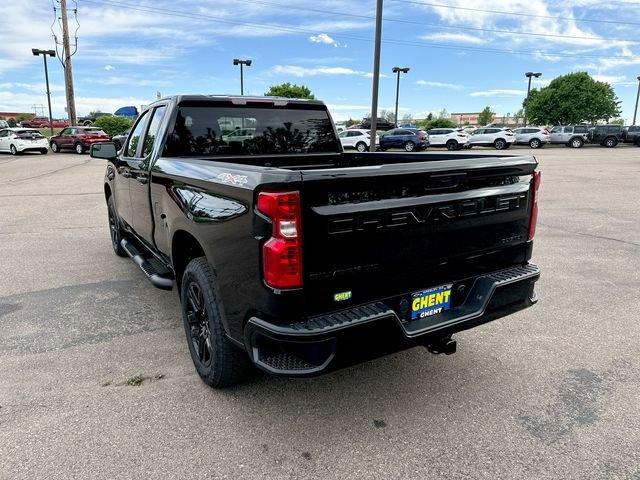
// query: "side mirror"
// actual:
[[104, 150]]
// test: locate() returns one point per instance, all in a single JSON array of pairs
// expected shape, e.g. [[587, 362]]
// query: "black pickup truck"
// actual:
[[293, 256]]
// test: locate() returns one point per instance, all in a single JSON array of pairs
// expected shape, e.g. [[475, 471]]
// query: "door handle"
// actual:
[[142, 179], [126, 174]]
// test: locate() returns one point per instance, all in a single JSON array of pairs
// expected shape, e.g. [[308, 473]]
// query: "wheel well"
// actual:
[[184, 248]]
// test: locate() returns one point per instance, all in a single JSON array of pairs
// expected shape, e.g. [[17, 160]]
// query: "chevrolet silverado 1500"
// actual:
[[293, 256]]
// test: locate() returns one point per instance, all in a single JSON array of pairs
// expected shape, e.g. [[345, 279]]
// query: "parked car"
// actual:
[[498, 138], [631, 134], [450, 138], [407, 138], [382, 124], [574, 136], [4, 123], [606, 135], [17, 140], [89, 119], [120, 139], [535, 137], [78, 138], [357, 138], [43, 122], [289, 259], [239, 135]]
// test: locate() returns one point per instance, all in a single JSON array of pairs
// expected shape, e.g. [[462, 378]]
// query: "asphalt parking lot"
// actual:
[[551, 392]]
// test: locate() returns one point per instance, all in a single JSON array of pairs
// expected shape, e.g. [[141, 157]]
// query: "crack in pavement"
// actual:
[[601, 237]]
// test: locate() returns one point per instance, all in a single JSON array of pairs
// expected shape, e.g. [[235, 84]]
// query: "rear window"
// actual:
[[29, 134], [205, 130], [634, 129]]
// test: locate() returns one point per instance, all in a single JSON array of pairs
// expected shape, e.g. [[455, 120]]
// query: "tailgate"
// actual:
[[370, 233]]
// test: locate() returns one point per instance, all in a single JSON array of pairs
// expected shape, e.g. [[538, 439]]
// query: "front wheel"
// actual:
[[610, 142], [115, 230], [409, 147], [79, 148], [452, 145], [361, 147], [218, 361], [13, 150], [535, 143], [576, 142], [55, 148]]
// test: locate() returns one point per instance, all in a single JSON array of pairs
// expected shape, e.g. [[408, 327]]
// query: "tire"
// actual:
[[382, 149], [535, 143], [14, 151], [610, 142], [576, 142], [500, 144], [44, 151], [409, 147], [54, 147], [361, 147], [452, 145], [218, 361], [87, 123], [115, 230], [78, 148]]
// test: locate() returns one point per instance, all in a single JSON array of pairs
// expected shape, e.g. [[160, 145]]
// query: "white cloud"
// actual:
[[298, 71], [454, 37], [428, 83], [109, 67], [498, 93], [324, 38]]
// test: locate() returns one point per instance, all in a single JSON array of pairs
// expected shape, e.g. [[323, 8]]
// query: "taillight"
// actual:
[[535, 186], [282, 253]]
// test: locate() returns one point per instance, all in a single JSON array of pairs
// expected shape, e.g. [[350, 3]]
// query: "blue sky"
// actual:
[[130, 49]]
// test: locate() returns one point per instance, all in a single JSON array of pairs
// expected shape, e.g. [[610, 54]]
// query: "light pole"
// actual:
[[376, 74], [44, 54], [242, 63], [398, 70], [635, 112], [529, 75]]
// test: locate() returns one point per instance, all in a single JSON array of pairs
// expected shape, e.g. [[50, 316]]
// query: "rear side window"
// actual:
[[634, 129], [202, 130], [568, 129], [581, 129]]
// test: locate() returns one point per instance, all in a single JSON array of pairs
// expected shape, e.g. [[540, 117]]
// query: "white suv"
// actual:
[[498, 138], [451, 138], [535, 137], [356, 138]]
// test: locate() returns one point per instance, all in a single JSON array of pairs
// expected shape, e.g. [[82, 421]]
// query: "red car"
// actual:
[[79, 139], [43, 122]]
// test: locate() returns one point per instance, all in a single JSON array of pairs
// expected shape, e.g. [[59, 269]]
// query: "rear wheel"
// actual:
[[409, 146], [500, 144], [535, 143], [115, 230], [361, 147], [78, 148], [55, 148], [452, 145], [13, 150], [576, 142], [218, 361], [610, 142]]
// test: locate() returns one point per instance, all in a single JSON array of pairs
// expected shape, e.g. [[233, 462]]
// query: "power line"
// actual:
[[267, 26], [427, 24], [517, 14]]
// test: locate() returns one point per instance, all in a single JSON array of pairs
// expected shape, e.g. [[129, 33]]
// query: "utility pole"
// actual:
[[68, 73], [45, 53], [376, 76], [635, 112], [529, 75], [398, 70]]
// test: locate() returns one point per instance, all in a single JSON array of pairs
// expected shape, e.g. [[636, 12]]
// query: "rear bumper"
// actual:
[[327, 342]]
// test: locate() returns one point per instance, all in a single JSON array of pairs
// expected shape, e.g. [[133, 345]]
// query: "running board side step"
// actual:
[[159, 276]]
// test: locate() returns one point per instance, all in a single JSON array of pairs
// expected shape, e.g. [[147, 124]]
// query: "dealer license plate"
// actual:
[[430, 302]]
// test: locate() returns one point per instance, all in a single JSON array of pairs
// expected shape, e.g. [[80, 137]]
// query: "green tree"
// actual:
[[290, 90], [113, 124], [430, 116], [426, 124], [486, 116], [571, 99], [617, 121]]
